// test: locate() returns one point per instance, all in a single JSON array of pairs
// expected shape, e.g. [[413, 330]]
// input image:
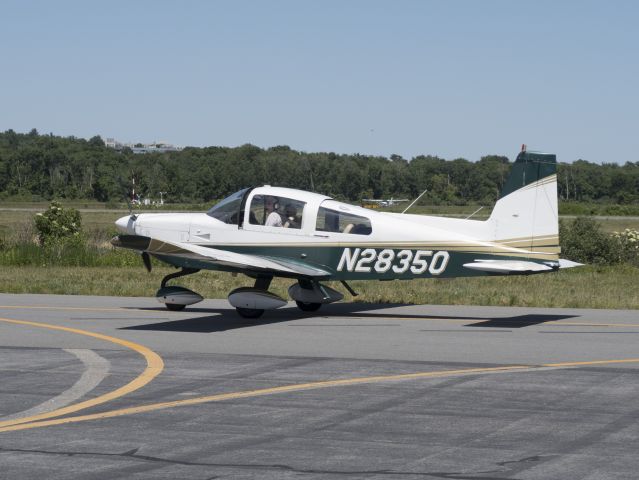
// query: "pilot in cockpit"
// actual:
[[273, 218]]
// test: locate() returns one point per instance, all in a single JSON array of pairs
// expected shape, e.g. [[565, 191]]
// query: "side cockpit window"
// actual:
[[273, 211], [329, 220]]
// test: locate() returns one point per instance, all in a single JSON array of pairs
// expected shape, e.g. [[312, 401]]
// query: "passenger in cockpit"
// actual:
[[291, 216]]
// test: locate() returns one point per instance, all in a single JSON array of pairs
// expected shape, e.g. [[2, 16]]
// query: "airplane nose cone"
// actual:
[[125, 225]]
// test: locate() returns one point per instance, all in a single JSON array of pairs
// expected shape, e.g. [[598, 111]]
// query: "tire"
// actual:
[[175, 307], [249, 312], [308, 307]]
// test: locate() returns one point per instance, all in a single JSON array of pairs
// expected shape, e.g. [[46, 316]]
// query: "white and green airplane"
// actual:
[[268, 232]]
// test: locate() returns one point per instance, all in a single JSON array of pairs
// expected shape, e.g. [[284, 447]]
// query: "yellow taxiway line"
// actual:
[[154, 365]]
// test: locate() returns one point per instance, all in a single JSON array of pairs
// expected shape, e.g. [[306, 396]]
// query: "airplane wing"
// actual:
[[215, 257]]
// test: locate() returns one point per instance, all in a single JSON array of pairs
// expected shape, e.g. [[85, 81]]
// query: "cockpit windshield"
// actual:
[[228, 210]]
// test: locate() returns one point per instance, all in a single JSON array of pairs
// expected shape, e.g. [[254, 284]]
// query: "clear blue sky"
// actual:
[[450, 78]]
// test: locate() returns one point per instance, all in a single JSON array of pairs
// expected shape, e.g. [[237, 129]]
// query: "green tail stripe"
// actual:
[[529, 168]]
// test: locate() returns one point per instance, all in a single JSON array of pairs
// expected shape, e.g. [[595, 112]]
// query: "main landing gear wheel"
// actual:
[[250, 312], [308, 307], [174, 307]]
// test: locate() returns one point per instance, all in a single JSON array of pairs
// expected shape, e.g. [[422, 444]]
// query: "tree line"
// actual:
[[35, 166]]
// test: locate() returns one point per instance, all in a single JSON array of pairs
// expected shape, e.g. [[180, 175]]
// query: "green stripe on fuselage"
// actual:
[[328, 258]]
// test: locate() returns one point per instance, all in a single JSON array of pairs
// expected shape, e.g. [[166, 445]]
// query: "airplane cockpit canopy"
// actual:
[[294, 210], [228, 210]]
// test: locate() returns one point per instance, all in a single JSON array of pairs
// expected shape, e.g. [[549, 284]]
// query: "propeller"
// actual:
[[146, 259]]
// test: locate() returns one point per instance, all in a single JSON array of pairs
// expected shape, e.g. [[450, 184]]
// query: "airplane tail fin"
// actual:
[[526, 214]]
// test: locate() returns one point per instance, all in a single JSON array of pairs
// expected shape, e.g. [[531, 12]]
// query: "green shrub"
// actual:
[[582, 240], [58, 226]]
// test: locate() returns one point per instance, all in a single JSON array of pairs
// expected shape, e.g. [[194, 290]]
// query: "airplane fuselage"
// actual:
[[397, 247]]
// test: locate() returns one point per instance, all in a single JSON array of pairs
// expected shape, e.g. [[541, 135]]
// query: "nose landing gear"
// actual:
[[176, 298]]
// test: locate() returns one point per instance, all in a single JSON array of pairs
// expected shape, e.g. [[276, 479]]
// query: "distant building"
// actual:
[[155, 147], [112, 143]]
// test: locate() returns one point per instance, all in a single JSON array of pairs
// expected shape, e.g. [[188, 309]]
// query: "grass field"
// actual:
[[585, 287]]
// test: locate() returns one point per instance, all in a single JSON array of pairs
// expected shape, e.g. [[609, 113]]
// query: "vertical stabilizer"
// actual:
[[526, 215]]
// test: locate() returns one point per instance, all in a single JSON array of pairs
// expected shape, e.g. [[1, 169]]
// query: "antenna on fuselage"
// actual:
[[414, 201], [473, 213], [310, 171]]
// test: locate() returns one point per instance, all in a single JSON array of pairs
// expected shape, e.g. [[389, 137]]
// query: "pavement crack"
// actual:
[[534, 458], [133, 454]]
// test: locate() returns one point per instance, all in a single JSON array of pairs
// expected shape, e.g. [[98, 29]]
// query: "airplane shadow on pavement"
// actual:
[[223, 319]]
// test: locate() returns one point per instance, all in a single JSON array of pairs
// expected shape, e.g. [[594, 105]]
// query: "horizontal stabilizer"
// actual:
[[507, 266], [563, 263]]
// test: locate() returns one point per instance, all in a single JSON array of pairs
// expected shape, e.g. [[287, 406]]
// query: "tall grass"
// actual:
[[29, 254], [599, 209]]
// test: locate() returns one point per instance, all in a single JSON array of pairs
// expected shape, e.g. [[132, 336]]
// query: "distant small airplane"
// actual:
[[388, 202], [268, 232]]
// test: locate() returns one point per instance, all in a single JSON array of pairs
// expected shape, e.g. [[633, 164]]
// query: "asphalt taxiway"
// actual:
[[104, 387]]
